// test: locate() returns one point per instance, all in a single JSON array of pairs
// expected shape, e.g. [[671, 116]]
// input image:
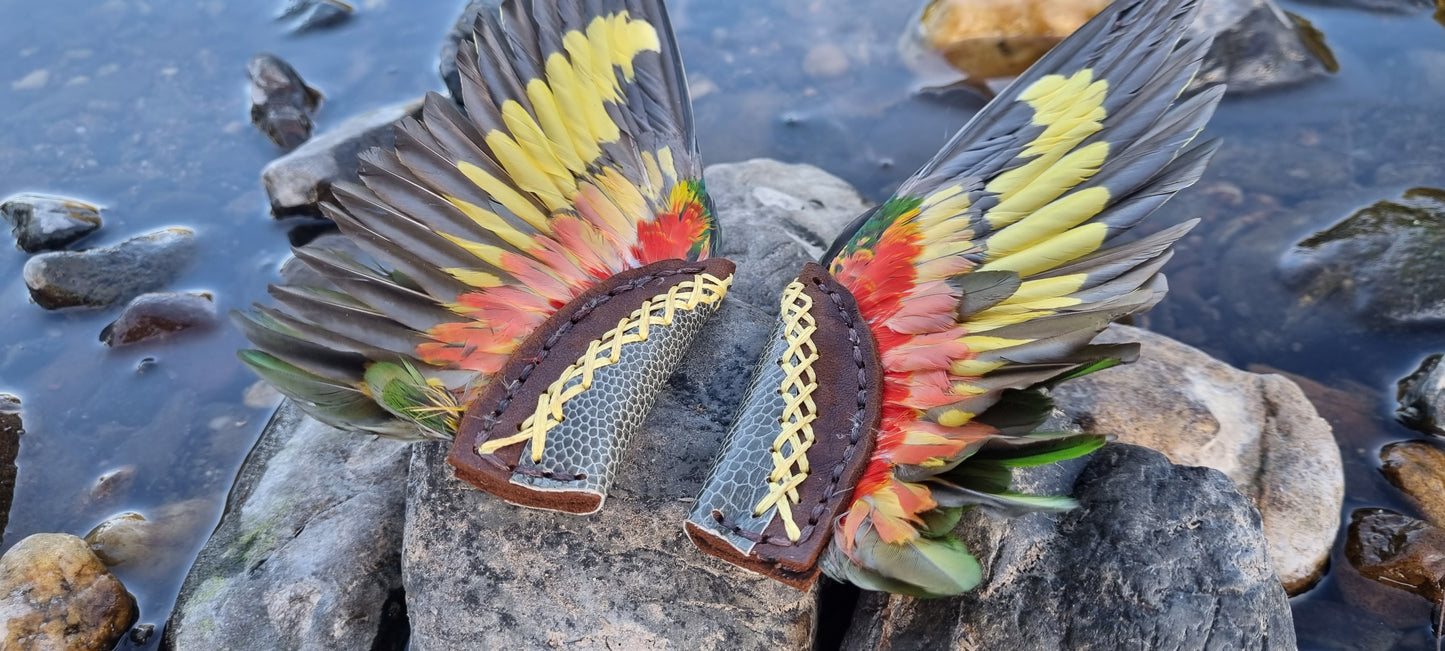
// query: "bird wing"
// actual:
[[987, 275], [575, 160]]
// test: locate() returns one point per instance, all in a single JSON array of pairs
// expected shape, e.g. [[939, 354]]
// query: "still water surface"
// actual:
[[141, 107]]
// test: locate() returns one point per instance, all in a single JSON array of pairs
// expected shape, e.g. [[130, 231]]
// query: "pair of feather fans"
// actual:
[[548, 261]]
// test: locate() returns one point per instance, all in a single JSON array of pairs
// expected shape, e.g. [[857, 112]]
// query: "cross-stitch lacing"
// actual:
[[800, 380], [659, 310]]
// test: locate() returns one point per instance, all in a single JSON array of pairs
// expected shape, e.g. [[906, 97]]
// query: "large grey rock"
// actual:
[[109, 275], [300, 180], [307, 552], [150, 317], [42, 222], [281, 102], [481, 573], [1258, 46], [1422, 397], [1260, 430], [1157, 556], [776, 217]]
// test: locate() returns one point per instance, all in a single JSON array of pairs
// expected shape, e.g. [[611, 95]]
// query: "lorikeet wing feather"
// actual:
[[575, 160], [990, 271]]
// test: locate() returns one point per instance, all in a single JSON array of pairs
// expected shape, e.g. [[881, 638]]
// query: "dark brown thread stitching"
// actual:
[[853, 439], [489, 421]]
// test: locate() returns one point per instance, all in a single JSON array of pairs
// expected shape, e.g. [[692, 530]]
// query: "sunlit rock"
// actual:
[[151, 317], [1260, 430], [985, 39], [281, 102], [109, 275], [42, 222], [1417, 468], [55, 594]]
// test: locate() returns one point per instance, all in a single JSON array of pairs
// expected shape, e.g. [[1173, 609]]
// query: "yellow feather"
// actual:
[[1062, 248], [941, 207], [972, 368], [985, 343], [492, 222], [1047, 287], [505, 194], [538, 164], [571, 97], [1048, 221], [654, 175], [665, 162], [586, 100], [630, 38], [599, 39], [475, 278], [486, 252], [954, 418], [549, 116]]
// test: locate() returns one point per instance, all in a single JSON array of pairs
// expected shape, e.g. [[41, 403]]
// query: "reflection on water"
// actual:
[[141, 107]]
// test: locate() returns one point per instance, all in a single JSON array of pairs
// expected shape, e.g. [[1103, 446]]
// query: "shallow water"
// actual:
[[141, 107]]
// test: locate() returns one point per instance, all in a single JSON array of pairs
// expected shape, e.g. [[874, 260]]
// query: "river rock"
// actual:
[[55, 594], [308, 15], [1259, 430], [307, 552], [11, 429], [1422, 398], [1258, 46], [281, 102], [300, 180], [109, 275], [1157, 556], [150, 317], [779, 217], [1381, 264], [42, 222], [462, 29], [1417, 468], [481, 573]]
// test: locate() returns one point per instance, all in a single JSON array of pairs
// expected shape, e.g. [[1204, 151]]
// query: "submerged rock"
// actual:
[[55, 594], [42, 222], [1398, 551], [1422, 398], [11, 429], [307, 15], [108, 275], [307, 551], [281, 103], [158, 316], [147, 544], [300, 180], [1169, 554], [1417, 468], [1382, 264], [1260, 430]]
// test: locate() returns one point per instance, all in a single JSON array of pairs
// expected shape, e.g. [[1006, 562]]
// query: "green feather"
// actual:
[[1043, 451], [403, 391], [924, 567]]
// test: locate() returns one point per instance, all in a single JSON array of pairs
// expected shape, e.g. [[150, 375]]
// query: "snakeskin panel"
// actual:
[[739, 478], [583, 451]]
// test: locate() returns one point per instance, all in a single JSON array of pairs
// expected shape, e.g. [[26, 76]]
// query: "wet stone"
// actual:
[[109, 275], [281, 102], [1398, 551], [55, 594], [151, 317], [1422, 398], [309, 15], [42, 222], [1257, 47], [1382, 265], [11, 429], [1417, 468], [300, 180]]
